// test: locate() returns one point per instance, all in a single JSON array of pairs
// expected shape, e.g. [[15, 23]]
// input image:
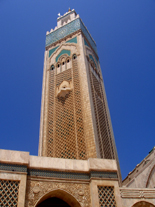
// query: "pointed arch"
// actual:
[[151, 178], [61, 194], [143, 204], [64, 46], [62, 52]]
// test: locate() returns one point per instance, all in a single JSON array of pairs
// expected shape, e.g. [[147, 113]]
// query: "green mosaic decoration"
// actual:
[[52, 51], [11, 167], [68, 52], [58, 174], [71, 175], [74, 40], [68, 29], [103, 174]]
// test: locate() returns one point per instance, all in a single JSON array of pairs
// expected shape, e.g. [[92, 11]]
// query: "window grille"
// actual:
[[9, 193], [101, 116], [106, 196]]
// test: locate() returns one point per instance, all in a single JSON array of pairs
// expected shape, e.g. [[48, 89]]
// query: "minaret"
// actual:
[[75, 120]]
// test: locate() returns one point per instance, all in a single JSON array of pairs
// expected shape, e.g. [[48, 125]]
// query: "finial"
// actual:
[[69, 9], [59, 15]]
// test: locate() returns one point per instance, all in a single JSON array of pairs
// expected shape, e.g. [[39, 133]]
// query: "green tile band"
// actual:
[[68, 29], [68, 52]]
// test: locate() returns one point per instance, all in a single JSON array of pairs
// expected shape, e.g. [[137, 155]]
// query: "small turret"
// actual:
[[68, 16]]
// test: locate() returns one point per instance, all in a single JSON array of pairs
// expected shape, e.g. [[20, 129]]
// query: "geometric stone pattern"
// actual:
[[65, 134], [71, 175], [12, 167], [65, 130], [9, 193], [78, 113], [50, 130], [96, 174], [106, 196], [37, 189], [63, 32], [102, 122], [58, 174]]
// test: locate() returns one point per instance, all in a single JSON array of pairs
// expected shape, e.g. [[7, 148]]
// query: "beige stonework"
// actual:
[[94, 191], [16, 157], [131, 196], [22, 178], [34, 189], [143, 172], [47, 188], [94, 130]]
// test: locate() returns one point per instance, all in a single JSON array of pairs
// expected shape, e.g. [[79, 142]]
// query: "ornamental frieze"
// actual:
[[37, 189]]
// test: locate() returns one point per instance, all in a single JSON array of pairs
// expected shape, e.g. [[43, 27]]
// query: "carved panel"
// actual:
[[37, 189]]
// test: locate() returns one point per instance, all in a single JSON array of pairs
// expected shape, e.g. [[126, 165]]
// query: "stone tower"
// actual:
[[75, 121]]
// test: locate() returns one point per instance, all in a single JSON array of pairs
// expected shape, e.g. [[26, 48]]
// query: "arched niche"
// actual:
[[143, 204], [61, 196]]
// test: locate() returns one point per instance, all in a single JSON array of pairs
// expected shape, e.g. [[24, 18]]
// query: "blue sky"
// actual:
[[124, 31]]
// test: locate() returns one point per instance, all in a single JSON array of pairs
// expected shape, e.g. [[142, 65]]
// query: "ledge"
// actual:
[[14, 157]]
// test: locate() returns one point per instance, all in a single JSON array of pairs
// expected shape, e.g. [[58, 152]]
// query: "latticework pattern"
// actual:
[[65, 140], [106, 196], [9, 193], [50, 115], [65, 130], [78, 113], [103, 126]]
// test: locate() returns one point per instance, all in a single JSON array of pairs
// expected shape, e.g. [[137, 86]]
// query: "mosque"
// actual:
[[77, 163]]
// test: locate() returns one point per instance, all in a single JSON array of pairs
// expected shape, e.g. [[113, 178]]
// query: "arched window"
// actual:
[[68, 63], [52, 67], [74, 56], [63, 66], [58, 68]]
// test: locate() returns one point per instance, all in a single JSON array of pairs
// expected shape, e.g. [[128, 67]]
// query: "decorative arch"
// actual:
[[151, 178], [143, 204], [148, 173], [64, 46], [61, 194], [68, 52]]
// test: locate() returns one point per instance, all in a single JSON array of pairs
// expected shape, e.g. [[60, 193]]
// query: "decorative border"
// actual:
[[103, 175], [13, 168], [137, 193], [72, 175], [57, 174]]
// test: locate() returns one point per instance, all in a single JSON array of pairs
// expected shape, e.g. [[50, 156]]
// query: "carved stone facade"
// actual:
[[37, 190]]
